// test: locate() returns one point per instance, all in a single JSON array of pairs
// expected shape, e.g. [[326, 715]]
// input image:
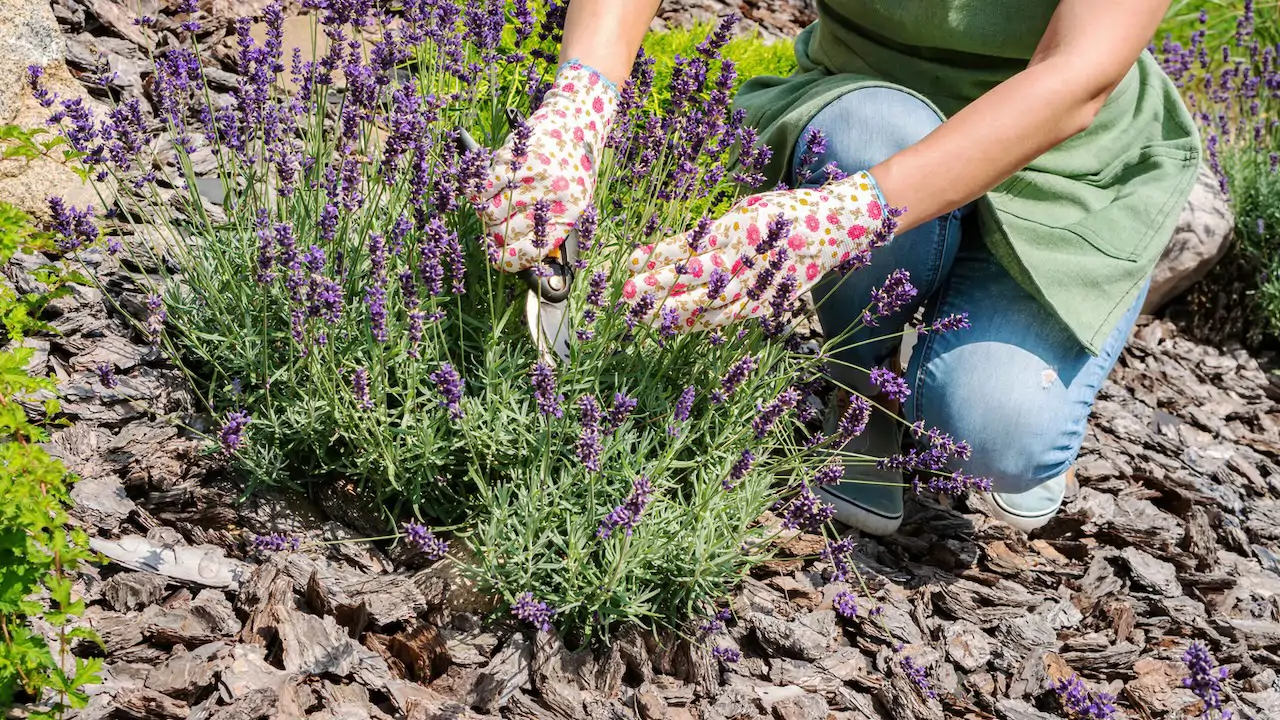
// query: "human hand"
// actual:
[[767, 250], [544, 175]]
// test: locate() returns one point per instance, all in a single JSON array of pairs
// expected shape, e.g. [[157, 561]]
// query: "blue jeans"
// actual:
[[1017, 385]]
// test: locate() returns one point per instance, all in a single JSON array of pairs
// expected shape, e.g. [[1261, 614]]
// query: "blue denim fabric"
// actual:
[[1017, 385]]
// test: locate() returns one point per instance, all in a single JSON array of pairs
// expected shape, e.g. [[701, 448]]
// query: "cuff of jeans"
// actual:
[[606, 82]]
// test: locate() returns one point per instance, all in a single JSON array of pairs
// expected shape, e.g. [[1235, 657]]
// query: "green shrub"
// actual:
[[38, 552], [1226, 63], [751, 55]]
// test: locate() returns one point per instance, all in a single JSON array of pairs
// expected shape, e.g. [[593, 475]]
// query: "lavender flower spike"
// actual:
[[738, 470], [918, 675], [543, 378], [275, 542], [627, 515], [421, 537], [1080, 704], [232, 433], [1204, 680], [450, 385], [533, 611], [107, 375]]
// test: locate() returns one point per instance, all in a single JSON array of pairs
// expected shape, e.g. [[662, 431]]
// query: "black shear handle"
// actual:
[[555, 285]]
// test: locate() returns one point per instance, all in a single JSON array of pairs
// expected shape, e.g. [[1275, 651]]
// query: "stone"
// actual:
[[29, 35], [1202, 237]]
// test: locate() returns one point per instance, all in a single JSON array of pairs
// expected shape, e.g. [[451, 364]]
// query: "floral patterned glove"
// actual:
[[762, 254], [544, 176]]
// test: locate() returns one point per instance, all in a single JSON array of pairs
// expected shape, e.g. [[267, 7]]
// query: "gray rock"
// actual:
[[1202, 237], [29, 35]]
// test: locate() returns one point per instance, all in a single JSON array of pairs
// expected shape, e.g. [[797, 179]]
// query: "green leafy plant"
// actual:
[[38, 551], [1224, 56], [339, 312]]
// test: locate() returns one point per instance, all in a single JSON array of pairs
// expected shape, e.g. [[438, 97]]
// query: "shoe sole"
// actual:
[[1021, 521], [856, 516]]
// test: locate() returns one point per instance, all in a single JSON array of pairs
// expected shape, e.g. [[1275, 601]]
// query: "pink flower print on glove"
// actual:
[[551, 170]]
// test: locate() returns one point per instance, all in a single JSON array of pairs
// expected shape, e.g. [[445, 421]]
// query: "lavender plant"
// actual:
[[338, 310], [1229, 71]]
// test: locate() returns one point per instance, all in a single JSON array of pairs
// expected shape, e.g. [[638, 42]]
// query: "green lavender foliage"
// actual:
[[38, 550], [1240, 125], [507, 478]]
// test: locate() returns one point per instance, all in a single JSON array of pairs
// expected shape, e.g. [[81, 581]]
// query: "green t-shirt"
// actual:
[[1082, 226]]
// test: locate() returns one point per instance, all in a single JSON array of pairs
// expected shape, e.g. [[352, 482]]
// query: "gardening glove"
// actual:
[[551, 158], [762, 254]]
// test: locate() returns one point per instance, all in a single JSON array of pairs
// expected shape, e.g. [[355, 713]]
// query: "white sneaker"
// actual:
[[1032, 508]]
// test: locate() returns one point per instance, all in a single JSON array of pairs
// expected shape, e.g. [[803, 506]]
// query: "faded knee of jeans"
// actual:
[[1020, 437]]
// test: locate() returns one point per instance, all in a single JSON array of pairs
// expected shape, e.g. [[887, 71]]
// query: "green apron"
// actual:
[[1082, 226]]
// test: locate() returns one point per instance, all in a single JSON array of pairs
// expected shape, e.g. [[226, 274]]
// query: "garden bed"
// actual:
[[1170, 537]]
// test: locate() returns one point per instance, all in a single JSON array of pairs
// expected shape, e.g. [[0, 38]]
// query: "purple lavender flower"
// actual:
[[541, 218], [828, 474], [954, 321], [415, 332], [805, 511], [839, 553], [74, 227], [670, 322], [640, 309], [1204, 679], [718, 282], [421, 537], [38, 90], [815, 144], [768, 415], [1080, 703], [890, 383], [449, 384], [845, 604], [890, 297], [106, 375], [917, 675], [156, 317], [955, 484], [736, 375], [589, 447], [684, 406], [360, 389], [627, 515], [275, 542], [715, 623], [232, 433], [738, 470], [622, 407], [535, 612], [726, 655], [543, 378]]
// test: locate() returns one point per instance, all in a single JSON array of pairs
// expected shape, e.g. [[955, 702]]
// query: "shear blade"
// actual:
[[549, 325]]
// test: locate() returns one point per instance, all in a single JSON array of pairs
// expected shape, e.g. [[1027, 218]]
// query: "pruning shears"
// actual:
[[546, 309]]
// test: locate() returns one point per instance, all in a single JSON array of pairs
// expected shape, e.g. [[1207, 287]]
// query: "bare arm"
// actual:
[[606, 34], [1084, 54]]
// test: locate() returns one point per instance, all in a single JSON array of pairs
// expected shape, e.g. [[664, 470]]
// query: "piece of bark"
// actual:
[[132, 590], [188, 675], [508, 672], [421, 650], [139, 703]]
